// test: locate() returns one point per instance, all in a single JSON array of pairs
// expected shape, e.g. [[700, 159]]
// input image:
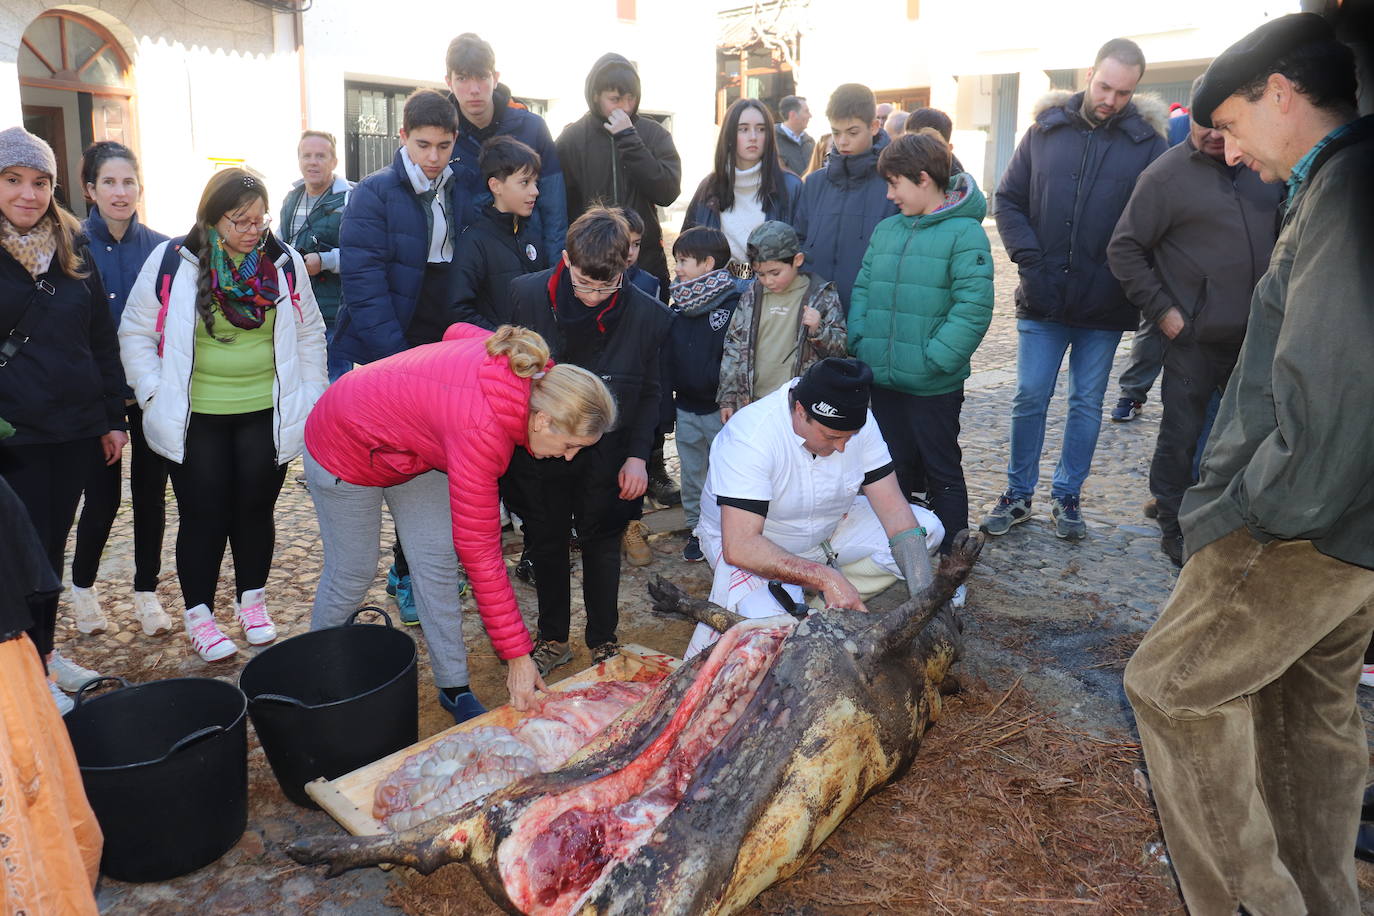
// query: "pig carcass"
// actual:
[[721, 782]]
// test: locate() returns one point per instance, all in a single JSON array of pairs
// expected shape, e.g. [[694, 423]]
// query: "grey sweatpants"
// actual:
[[351, 527]]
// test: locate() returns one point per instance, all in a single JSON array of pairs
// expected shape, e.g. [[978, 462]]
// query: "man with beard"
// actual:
[[1057, 205]]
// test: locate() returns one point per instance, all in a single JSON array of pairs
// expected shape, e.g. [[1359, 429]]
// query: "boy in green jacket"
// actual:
[[921, 305]]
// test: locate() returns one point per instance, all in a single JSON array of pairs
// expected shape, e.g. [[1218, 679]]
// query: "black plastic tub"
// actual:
[[327, 702], [165, 766]]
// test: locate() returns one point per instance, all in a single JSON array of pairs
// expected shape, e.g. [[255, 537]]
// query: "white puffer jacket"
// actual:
[[162, 384]]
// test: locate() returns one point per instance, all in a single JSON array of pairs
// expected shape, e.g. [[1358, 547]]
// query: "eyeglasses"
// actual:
[[597, 290], [245, 226]]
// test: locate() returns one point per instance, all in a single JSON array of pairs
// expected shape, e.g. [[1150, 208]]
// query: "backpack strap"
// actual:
[[171, 260]]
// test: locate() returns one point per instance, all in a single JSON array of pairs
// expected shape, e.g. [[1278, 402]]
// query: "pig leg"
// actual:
[[424, 848], [671, 601]]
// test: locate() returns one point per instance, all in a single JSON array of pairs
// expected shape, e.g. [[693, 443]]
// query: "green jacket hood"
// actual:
[[964, 198]]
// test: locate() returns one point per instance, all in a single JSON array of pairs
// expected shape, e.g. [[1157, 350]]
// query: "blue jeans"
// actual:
[[1040, 353]]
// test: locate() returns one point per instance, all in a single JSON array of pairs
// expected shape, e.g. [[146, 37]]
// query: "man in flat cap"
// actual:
[[1244, 689], [802, 491]]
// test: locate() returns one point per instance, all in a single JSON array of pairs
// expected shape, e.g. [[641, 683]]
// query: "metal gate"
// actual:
[[372, 118]]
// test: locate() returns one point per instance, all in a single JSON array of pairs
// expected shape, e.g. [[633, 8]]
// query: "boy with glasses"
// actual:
[[591, 318]]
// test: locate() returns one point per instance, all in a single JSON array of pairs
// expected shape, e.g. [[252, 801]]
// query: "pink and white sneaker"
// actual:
[[1367, 676], [209, 641], [251, 613]]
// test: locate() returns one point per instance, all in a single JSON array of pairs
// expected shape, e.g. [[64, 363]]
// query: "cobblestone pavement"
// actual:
[[1060, 616]]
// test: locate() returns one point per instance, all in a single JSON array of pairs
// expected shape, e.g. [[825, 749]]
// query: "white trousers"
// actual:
[[861, 553]]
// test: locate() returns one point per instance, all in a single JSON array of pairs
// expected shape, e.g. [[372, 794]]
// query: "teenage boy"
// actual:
[[396, 250], [786, 320], [396, 242], [704, 297], [614, 156], [310, 216], [590, 318], [634, 273], [922, 303], [841, 203], [933, 117], [486, 110], [500, 244]]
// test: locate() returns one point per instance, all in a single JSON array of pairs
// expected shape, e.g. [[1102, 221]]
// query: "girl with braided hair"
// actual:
[[226, 356]]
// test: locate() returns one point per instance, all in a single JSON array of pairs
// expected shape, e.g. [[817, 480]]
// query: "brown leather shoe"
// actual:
[[1151, 508], [635, 543]]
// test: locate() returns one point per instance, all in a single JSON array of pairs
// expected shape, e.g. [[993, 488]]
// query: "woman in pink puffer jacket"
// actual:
[[429, 431]]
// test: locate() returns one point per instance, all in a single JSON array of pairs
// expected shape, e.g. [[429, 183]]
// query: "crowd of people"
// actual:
[[488, 328]]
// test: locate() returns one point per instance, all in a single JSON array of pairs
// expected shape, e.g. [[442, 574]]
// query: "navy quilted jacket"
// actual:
[[1059, 202], [383, 249]]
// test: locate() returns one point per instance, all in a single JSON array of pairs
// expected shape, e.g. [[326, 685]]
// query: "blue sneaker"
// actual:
[[1126, 410], [462, 707], [399, 588]]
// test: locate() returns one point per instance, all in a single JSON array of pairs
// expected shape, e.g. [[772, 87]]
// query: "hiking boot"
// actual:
[[1068, 520], [150, 615], [635, 543], [1151, 508], [1010, 510], [68, 674], [252, 618], [524, 569], [399, 588], [462, 707], [691, 551], [1367, 676], [548, 655], [1126, 410], [960, 597], [207, 639], [662, 490], [90, 619], [1172, 545], [64, 702], [605, 652]]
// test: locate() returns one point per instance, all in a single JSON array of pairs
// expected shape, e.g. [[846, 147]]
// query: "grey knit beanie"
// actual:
[[19, 147]]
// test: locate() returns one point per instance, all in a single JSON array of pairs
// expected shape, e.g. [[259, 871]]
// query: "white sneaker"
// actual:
[[251, 613], [150, 614], [64, 702], [1367, 676], [90, 619], [209, 641], [960, 596], [67, 673]]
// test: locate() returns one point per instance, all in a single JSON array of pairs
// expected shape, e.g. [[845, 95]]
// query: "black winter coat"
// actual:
[[1058, 203], [494, 249], [66, 383], [625, 356], [638, 168]]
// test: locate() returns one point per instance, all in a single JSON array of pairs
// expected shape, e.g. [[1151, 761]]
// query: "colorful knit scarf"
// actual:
[[243, 293]]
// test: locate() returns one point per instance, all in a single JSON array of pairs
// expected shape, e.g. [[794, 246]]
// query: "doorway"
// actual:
[[74, 80]]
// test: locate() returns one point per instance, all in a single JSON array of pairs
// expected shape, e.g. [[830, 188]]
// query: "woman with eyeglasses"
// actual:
[[224, 346]]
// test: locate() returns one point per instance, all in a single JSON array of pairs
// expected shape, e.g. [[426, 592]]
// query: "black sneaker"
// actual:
[[691, 551], [1010, 510], [1172, 545], [548, 655], [524, 570], [1068, 520], [605, 652], [1126, 410]]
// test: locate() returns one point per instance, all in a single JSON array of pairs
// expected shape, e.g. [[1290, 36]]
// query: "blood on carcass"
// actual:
[[569, 856]]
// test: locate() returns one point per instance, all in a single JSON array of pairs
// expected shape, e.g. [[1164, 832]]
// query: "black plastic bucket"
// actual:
[[165, 766], [327, 702]]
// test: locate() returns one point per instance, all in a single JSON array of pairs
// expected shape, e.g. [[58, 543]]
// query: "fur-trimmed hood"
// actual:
[[1146, 113]]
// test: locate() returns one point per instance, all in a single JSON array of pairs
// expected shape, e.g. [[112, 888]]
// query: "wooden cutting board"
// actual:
[[348, 799]]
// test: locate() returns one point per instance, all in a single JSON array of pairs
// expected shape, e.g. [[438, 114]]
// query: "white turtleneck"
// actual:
[[747, 213]]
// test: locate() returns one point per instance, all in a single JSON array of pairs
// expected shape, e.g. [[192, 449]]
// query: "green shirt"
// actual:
[[776, 348], [236, 376]]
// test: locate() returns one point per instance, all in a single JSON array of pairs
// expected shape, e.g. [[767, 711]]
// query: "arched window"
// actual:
[[66, 48]]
